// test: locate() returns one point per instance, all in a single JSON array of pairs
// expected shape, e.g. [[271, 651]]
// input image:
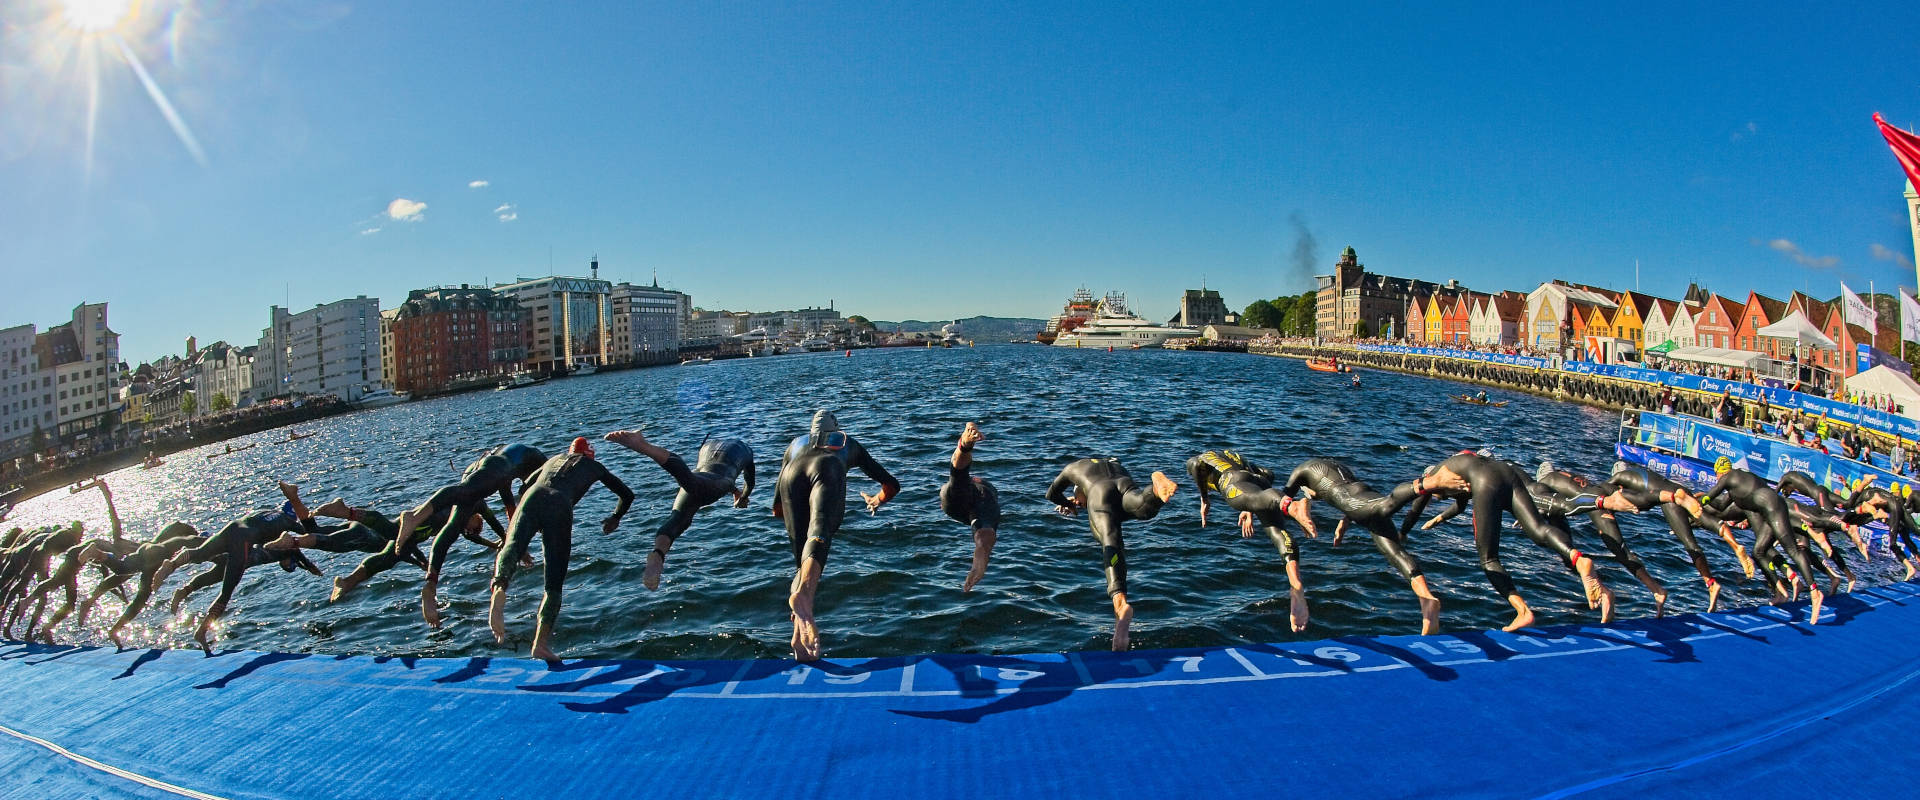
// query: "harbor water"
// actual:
[[893, 583]]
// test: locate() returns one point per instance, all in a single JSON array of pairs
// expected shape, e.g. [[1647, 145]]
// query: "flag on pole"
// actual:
[[1906, 147], [1856, 311], [1909, 317]]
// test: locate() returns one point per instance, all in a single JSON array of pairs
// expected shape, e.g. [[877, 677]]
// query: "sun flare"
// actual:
[[92, 16]]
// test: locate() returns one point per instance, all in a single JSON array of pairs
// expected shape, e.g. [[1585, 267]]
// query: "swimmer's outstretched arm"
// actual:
[[472, 534], [889, 487], [1414, 510], [1057, 494], [1197, 471], [1450, 512], [619, 489], [746, 490]]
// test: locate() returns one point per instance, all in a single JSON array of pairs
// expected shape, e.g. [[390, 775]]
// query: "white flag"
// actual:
[[1856, 311], [1909, 317]]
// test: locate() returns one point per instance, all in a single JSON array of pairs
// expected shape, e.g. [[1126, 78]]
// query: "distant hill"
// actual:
[[979, 328]]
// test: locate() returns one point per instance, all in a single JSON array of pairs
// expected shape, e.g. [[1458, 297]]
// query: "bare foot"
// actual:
[[656, 561], [1660, 603], [1746, 561], [340, 589], [1299, 509], [496, 616], [1606, 604], [337, 508], [545, 653], [1521, 620], [1713, 595], [630, 439], [1297, 614], [1909, 565], [1164, 487], [806, 640], [287, 541], [430, 605], [1813, 611], [1122, 623]]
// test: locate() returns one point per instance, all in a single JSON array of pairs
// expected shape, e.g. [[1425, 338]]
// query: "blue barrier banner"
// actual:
[[1725, 448]]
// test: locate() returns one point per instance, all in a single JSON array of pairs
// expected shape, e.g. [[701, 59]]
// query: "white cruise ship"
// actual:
[[1114, 326]]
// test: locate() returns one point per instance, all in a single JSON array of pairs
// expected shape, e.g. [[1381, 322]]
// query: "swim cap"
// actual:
[[1621, 466], [522, 455], [825, 431], [581, 447], [1546, 468]]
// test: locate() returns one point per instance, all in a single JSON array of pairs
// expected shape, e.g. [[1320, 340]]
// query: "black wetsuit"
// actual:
[[1247, 487], [30, 560], [1766, 512], [493, 473], [546, 508], [1110, 498], [1643, 488], [721, 461], [969, 500], [1900, 526], [1797, 482], [1335, 484], [1581, 496], [235, 548], [812, 487], [389, 555], [1497, 488], [143, 562]]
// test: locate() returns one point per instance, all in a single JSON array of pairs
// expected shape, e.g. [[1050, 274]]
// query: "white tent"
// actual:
[[1795, 328], [1886, 381], [1720, 356]]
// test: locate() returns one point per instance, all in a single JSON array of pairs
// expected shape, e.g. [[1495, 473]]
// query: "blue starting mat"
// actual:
[[1754, 704]]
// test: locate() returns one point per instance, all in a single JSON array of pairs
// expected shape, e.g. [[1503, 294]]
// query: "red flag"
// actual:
[[1906, 147]]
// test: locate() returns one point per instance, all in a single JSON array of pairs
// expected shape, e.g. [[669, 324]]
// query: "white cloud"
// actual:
[[370, 231], [477, 184], [1745, 131], [404, 210], [1884, 253], [507, 212], [1801, 257]]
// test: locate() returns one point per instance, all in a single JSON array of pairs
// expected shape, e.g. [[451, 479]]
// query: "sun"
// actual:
[[92, 16]]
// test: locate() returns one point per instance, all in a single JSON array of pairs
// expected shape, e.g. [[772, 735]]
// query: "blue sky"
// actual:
[[906, 161]]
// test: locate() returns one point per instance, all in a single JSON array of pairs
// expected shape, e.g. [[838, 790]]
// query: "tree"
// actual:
[[1362, 330], [221, 403], [187, 404], [860, 323], [1300, 318], [1260, 314]]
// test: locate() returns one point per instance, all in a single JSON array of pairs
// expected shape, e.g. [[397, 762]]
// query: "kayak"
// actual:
[[1468, 399]]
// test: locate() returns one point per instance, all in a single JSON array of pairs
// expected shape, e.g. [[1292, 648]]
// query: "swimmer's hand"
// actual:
[[1446, 480], [1339, 531], [971, 436], [1430, 523], [1246, 524], [1203, 512], [739, 499], [873, 501], [610, 524], [777, 512]]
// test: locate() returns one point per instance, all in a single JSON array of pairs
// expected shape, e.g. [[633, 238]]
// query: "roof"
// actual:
[[1772, 309], [1817, 309], [1668, 308], [1509, 307], [1643, 304], [1722, 356], [1734, 309]]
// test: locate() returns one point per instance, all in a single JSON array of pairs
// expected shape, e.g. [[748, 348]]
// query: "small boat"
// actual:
[[152, 463], [696, 362], [519, 380], [1322, 366], [1470, 399], [294, 437], [582, 369]]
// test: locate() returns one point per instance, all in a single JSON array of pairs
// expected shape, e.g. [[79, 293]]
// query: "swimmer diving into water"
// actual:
[[721, 462], [1107, 492]]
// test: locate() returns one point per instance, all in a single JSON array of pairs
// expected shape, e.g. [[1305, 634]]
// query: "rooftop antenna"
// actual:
[[1636, 274]]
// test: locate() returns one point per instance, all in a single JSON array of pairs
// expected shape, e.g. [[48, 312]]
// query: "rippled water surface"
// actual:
[[892, 586]]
